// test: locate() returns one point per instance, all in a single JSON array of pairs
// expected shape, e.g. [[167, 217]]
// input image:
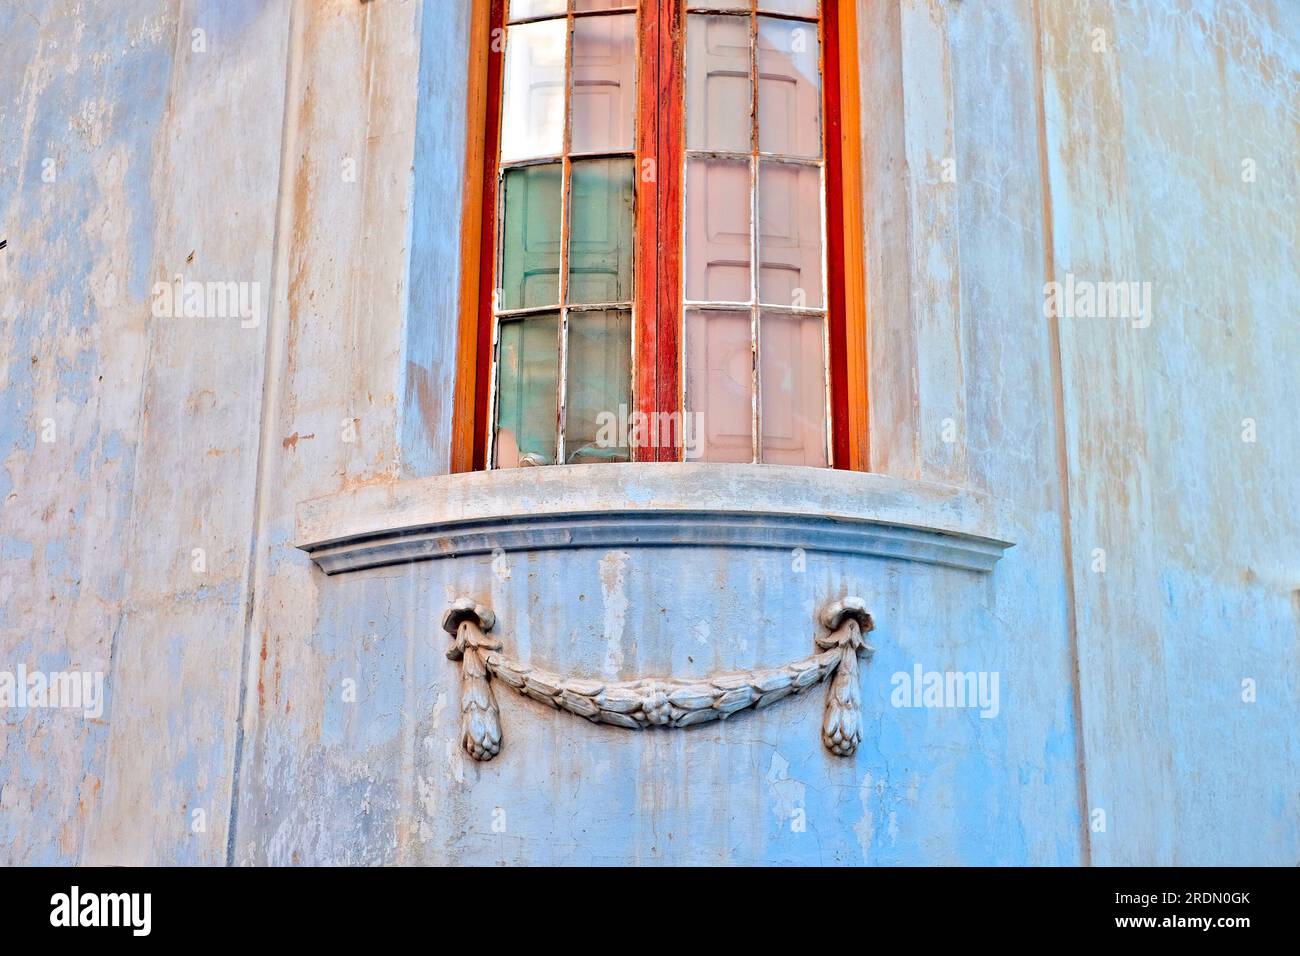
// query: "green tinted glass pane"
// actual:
[[527, 372], [530, 237], [599, 387], [600, 245]]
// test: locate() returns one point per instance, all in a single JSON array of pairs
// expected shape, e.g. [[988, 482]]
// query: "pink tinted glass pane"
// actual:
[[790, 235], [798, 8], [793, 389], [717, 230], [523, 9], [532, 112], [789, 88], [584, 6], [718, 5], [604, 83], [719, 386], [718, 97]]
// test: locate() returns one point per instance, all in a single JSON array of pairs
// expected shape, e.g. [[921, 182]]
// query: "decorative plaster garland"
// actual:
[[658, 702]]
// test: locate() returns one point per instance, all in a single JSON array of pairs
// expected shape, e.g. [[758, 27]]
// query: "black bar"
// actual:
[[522, 907]]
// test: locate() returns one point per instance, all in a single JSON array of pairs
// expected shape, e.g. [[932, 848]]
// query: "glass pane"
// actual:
[[718, 5], [718, 106], [583, 6], [789, 88], [799, 8], [523, 9], [532, 112], [793, 389], [599, 392], [604, 84], [600, 231], [717, 230], [719, 384], [790, 235], [529, 272], [527, 374]]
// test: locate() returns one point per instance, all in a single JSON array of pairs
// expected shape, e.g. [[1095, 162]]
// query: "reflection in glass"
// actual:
[[527, 374], [523, 9], [717, 255], [798, 8], [790, 235], [719, 383], [789, 88], [604, 84], [792, 384], [599, 390], [583, 6], [530, 237], [718, 107], [532, 117], [600, 231]]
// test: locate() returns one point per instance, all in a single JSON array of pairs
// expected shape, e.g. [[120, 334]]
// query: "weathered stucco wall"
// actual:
[[1172, 161], [315, 149], [130, 157]]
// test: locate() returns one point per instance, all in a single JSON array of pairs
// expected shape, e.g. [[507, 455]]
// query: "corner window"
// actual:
[[660, 265]]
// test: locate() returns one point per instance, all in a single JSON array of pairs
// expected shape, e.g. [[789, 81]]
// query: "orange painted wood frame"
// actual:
[[478, 237], [658, 310], [845, 238]]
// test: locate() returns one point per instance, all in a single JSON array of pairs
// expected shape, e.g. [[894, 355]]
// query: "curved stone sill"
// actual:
[[662, 504]]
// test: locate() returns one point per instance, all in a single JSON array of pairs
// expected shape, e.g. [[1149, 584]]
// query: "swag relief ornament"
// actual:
[[659, 702]]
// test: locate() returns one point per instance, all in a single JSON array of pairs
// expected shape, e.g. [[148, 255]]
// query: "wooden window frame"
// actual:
[[658, 305]]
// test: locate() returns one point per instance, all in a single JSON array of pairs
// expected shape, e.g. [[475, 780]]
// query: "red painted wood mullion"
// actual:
[[671, 119], [646, 386]]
